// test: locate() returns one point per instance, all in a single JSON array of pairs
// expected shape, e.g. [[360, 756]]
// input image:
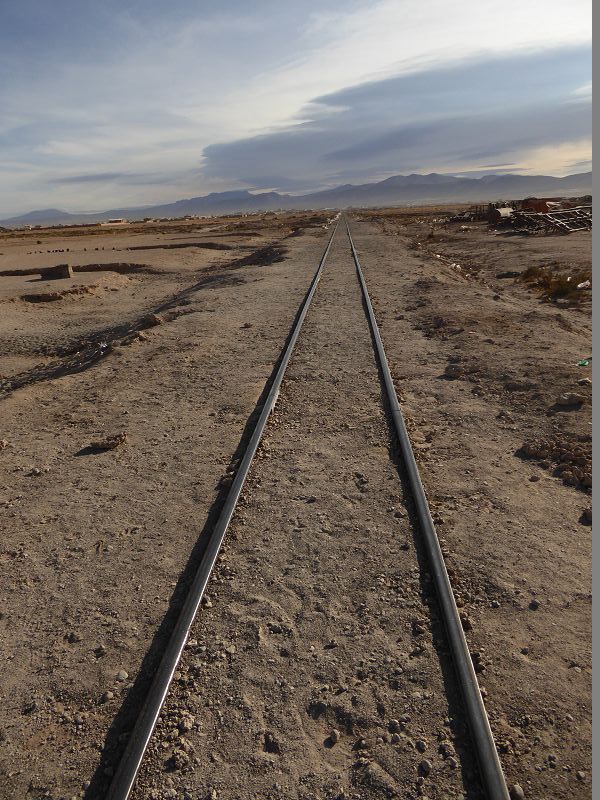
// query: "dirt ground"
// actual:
[[95, 544], [317, 668]]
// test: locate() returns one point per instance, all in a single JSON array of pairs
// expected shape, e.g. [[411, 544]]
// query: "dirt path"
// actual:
[[95, 544], [313, 672]]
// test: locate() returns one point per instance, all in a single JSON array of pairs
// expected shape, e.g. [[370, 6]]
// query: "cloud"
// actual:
[[453, 118], [97, 177], [123, 178]]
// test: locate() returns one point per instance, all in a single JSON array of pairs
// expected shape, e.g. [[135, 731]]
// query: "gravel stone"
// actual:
[[425, 767], [569, 400]]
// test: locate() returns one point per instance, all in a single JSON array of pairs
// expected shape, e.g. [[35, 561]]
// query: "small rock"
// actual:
[[516, 792], [178, 760], [421, 745], [495, 604], [110, 443], [394, 726], [186, 723], [534, 605], [152, 320], [454, 371], [396, 738], [465, 621], [274, 627], [122, 675], [580, 775], [425, 767], [584, 382], [534, 478], [586, 516], [106, 696], [570, 400], [446, 750], [334, 736]]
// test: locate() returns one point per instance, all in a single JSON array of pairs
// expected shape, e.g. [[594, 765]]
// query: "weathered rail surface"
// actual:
[[483, 740]]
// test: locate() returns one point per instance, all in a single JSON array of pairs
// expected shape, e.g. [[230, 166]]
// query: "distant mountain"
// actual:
[[46, 216], [397, 190]]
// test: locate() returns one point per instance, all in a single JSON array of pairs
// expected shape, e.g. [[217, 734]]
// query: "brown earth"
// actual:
[[315, 610]]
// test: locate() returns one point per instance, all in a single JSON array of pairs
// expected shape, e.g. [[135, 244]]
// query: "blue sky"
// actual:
[[115, 103]]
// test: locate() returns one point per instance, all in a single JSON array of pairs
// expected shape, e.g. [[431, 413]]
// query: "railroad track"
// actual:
[[492, 778]]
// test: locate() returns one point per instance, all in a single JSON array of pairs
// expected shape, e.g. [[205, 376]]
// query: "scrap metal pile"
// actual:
[[560, 221]]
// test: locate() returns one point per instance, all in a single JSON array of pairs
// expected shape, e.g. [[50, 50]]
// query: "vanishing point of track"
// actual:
[[492, 777]]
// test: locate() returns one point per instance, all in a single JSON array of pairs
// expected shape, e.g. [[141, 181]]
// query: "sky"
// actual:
[[117, 103]]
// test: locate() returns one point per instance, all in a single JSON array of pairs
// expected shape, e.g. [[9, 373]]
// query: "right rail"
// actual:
[[483, 739]]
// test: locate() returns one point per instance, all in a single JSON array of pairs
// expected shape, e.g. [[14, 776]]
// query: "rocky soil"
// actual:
[[317, 667]]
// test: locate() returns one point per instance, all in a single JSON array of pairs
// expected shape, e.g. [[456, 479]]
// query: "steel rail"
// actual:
[[487, 755], [129, 765]]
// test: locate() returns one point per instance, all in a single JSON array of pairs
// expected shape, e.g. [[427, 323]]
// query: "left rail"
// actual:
[[131, 761]]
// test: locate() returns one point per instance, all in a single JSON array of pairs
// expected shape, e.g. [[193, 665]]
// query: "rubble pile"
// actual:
[[561, 221]]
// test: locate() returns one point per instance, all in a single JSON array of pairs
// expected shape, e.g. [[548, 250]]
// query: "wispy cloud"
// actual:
[[452, 118]]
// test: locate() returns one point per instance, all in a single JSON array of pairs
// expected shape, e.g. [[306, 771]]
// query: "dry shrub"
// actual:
[[555, 285]]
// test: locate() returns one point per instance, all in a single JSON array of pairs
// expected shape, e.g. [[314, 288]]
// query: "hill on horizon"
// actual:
[[397, 190]]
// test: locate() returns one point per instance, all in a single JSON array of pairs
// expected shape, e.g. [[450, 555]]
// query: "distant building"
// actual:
[[116, 222]]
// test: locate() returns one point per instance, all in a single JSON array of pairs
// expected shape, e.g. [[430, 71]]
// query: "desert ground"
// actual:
[[318, 666]]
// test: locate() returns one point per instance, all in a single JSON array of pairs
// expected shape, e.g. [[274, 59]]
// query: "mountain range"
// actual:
[[397, 190]]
